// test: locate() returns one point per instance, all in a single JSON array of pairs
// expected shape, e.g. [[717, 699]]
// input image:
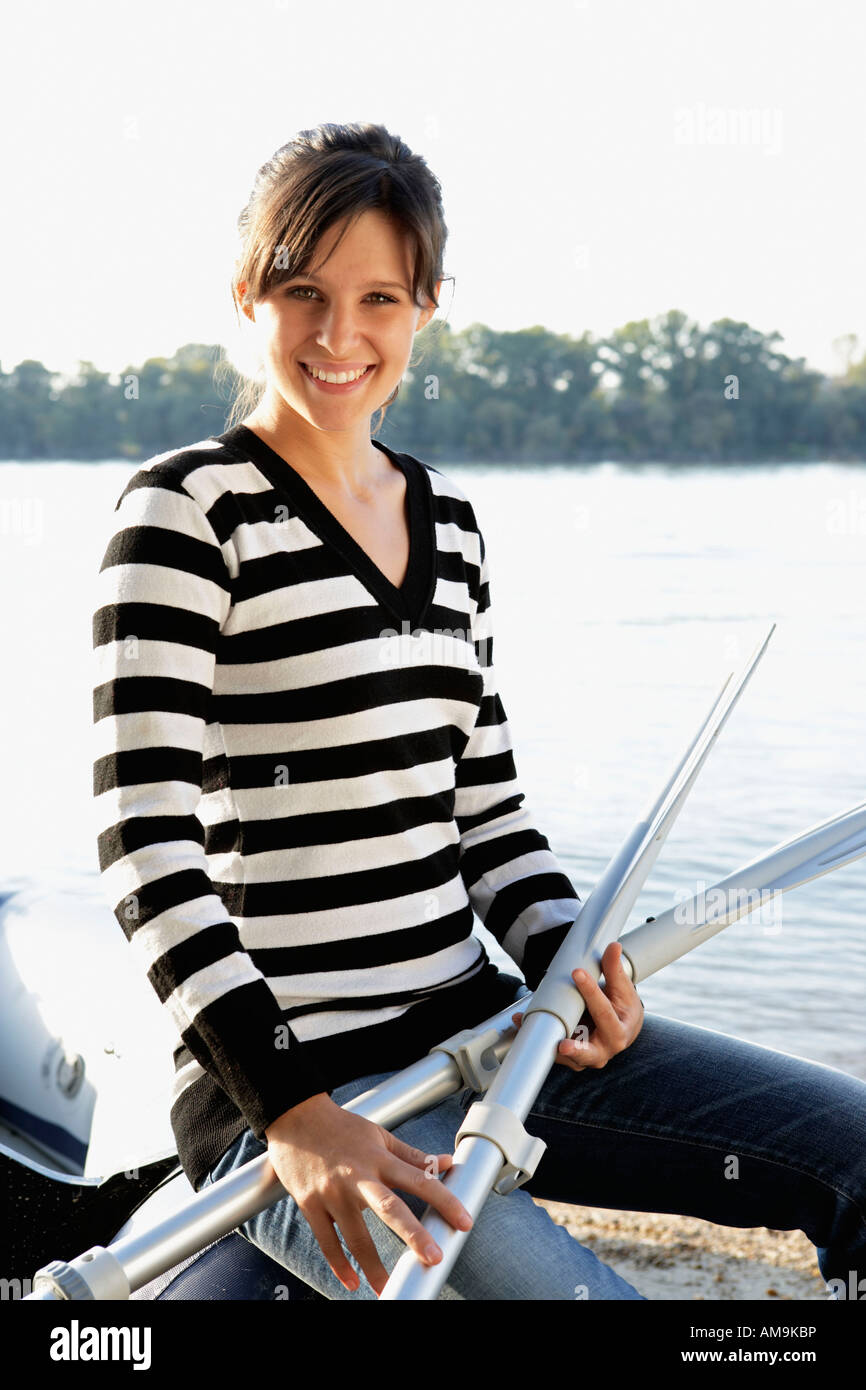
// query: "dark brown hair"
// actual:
[[319, 178]]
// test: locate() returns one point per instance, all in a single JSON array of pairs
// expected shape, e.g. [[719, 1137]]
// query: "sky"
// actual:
[[601, 160]]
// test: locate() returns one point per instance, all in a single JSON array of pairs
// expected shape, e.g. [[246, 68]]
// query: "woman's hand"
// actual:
[[335, 1164], [616, 1011]]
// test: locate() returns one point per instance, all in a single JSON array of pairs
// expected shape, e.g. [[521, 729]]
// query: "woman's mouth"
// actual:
[[338, 382]]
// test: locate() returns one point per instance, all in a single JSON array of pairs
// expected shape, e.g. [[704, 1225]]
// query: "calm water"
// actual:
[[622, 598]]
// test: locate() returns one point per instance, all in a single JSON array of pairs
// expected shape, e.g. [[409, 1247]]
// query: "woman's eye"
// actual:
[[304, 290]]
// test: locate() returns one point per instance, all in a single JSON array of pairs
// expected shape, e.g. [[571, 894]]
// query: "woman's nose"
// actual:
[[338, 329]]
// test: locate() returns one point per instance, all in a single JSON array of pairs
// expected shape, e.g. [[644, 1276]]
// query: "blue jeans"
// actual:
[[686, 1121]]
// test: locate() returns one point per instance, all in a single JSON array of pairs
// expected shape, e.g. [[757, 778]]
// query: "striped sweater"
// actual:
[[305, 784]]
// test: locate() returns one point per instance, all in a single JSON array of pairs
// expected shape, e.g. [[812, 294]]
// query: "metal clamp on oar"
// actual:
[[97, 1274], [521, 1151], [475, 1055]]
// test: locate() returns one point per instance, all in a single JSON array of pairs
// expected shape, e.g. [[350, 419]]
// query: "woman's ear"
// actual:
[[427, 314], [240, 295]]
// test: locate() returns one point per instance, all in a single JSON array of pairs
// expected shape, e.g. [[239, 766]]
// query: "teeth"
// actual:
[[336, 378]]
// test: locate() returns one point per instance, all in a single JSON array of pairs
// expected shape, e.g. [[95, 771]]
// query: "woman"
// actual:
[[308, 789]]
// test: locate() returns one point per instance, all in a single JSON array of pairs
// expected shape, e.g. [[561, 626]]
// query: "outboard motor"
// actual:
[[86, 1148]]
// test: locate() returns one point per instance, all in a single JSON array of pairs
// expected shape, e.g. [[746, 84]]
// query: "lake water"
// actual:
[[622, 598]]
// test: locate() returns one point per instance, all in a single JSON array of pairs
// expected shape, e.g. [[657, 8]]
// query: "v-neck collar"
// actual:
[[412, 599]]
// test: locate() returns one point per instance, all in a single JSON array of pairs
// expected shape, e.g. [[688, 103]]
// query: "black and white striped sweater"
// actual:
[[305, 783]]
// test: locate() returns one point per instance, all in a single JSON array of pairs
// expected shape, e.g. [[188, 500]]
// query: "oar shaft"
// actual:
[[687, 924], [599, 921], [254, 1187], [646, 949], [132, 1261], [478, 1160]]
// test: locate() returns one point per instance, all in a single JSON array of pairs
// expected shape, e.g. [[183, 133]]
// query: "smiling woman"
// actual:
[[301, 821], [333, 332], [394, 219], [309, 818], [353, 274]]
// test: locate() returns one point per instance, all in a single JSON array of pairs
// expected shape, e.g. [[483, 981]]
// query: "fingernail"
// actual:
[[433, 1253]]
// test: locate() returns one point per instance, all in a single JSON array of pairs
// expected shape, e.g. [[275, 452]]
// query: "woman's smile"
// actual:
[[338, 379]]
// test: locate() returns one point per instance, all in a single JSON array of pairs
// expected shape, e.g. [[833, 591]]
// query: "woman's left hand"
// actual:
[[616, 1011]]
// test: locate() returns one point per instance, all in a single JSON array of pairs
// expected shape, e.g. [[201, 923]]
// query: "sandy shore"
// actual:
[[680, 1257]]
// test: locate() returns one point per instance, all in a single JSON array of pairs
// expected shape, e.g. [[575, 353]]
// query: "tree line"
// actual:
[[661, 389]]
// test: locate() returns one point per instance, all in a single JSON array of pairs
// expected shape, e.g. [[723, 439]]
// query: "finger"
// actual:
[[434, 1164], [601, 1032], [598, 1051], [580, 1054], [585, 1048], [599, 1007], [615, 1026], [567, 1057], [390, 1209], [619, 986], [360, 1242], [620, 990], [436, 1194], [329, 1243]]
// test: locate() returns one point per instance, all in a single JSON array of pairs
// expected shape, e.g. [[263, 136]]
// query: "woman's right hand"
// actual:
[[335, 1164]]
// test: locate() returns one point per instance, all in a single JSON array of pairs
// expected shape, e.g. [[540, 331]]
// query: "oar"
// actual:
[[130, 1263], [823, 847], [492, 1147]]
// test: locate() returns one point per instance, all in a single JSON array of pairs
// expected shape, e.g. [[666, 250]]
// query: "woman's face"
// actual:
[[353, 309]]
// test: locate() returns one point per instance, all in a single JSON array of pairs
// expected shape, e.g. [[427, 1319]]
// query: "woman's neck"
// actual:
[[343, 460]]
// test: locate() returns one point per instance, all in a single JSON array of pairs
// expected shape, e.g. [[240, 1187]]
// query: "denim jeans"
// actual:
[[685, 1121]]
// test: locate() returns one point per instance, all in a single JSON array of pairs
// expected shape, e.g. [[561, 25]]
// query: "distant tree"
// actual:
[[662, 388]]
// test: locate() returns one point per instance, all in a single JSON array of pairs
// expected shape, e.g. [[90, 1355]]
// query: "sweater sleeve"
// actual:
[[514, 881], [163, 595]]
